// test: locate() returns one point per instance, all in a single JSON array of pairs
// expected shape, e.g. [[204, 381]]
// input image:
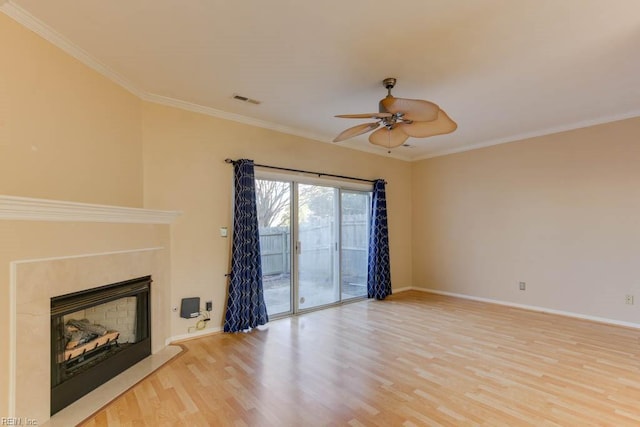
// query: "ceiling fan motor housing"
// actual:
[[389, 83]]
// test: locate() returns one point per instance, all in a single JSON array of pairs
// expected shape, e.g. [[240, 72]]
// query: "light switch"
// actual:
[[223, 232]]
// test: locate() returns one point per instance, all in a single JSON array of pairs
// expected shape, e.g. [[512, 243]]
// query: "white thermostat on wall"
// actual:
[[223, 232]]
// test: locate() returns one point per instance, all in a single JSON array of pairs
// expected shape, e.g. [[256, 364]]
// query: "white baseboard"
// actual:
[[210, 331], [196, 334], [528, 307]]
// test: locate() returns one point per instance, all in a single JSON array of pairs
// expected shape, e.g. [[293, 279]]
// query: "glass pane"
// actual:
[[355, 209], [318, 269], [273, 199]]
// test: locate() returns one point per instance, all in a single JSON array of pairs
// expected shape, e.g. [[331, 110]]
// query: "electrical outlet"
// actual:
[[522, 286], [208, 305], [628, 299]]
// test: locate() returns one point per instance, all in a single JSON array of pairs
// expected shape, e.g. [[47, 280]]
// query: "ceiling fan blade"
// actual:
[[365, 116], [417, 110], [388, 138], [443, 124], [355, 131]]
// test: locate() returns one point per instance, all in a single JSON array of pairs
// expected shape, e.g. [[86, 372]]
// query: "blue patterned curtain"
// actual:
[[245, 304], [379, 274]]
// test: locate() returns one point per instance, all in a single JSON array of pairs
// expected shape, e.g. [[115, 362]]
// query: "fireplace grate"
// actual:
[[95, 335]]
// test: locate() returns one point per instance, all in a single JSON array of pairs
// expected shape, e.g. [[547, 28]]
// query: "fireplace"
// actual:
[[95, 335]]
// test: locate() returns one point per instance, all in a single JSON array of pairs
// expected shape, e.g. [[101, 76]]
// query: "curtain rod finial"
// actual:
[[228, 160]]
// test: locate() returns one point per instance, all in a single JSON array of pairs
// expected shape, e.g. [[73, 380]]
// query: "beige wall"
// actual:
[[184, 169], [66, 132], [559, 212]]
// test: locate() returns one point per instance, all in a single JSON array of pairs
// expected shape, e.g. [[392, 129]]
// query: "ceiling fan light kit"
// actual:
[[400, 119]]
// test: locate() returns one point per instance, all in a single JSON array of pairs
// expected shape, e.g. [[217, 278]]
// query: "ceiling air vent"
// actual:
[[245, 99]]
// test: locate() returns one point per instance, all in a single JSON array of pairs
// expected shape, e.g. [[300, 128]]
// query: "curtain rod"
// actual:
[[319, 174]]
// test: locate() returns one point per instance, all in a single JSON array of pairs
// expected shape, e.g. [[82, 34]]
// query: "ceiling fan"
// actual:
[[400, 118]]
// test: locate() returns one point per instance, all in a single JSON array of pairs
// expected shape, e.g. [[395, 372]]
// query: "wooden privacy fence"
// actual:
[[275, 249]]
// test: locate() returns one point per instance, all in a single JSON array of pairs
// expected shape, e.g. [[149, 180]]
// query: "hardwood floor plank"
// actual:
[[413, 360]]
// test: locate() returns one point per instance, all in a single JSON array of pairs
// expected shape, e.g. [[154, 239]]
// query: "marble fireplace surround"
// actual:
[[33, 282]]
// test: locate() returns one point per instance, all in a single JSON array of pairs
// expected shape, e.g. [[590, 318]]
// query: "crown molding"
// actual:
[[209, 111], [522, 136], [29, 209], [43, 30], [29, 21], [398, 153]]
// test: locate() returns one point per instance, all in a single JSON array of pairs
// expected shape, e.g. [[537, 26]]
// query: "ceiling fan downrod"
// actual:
[[389, 83]]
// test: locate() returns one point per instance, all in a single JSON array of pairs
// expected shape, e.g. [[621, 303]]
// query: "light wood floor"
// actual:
[[415, 359]]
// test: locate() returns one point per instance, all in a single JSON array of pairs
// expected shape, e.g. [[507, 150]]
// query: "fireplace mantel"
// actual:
[[30, 209], [40, 271]]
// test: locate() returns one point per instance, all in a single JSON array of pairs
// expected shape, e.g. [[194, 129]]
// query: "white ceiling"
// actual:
[[502, 69]]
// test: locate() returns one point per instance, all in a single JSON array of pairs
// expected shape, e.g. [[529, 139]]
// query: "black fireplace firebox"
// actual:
[[95, 335]]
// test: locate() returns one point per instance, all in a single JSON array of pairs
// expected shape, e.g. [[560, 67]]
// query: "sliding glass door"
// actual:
[[273, 199], [327, 227], [317, 246], [354, 238]]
